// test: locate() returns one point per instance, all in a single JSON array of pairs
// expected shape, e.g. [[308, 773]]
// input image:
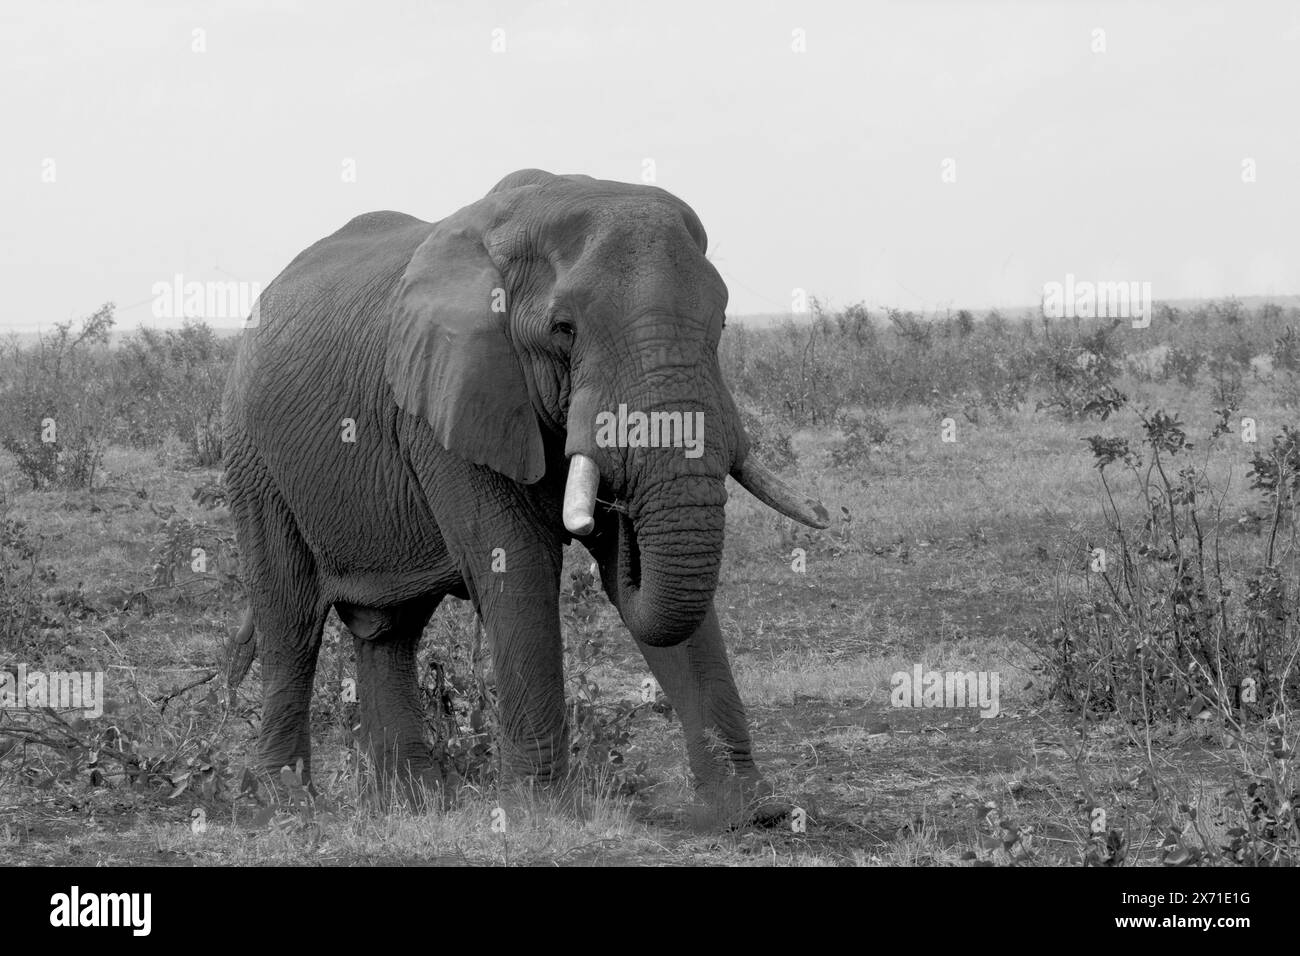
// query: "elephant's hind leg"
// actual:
[[288, 618], [289, 645], [388, 690]]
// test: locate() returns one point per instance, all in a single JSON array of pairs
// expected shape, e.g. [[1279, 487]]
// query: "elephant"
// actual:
[[424, 409]]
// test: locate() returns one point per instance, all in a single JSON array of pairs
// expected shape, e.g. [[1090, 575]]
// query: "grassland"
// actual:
[[954, 555]]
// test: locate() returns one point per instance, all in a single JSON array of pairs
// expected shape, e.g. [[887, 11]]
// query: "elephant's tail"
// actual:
[[242, 651]]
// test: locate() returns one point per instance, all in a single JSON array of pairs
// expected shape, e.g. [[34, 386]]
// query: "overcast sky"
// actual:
[[1113, 155]]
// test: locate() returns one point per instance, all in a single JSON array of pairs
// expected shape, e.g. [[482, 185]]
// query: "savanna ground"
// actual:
[[1145, 692]]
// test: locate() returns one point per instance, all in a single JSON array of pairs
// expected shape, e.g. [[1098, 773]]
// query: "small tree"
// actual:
[[57, 402]]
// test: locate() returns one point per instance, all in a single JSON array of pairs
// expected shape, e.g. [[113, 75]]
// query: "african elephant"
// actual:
[[424, 409]]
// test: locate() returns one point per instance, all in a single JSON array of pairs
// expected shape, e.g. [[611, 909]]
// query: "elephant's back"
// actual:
[[307, 404], [325, 310], [343, 272]]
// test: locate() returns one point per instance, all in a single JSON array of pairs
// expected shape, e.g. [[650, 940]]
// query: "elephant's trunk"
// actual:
[[668, 556]]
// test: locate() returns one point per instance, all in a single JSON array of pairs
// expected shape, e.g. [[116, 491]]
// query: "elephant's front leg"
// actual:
[[696, 677], [508, 552], [516, 588]]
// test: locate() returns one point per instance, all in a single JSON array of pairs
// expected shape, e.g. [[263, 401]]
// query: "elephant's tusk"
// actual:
[[580, 495], [775, 493]]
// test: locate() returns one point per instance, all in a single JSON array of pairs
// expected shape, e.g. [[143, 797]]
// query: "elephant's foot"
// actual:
[[538, 763], [734, 802], [280, 780], [527, 799], [284, 744], [394, 778]]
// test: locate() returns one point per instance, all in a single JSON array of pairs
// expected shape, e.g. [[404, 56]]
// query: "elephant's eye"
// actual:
[[562, 327]]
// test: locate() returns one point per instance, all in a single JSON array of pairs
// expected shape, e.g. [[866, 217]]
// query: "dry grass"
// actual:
[[950, 560]]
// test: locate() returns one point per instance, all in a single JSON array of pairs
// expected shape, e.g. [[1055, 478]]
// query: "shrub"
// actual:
[[1178, 622], [768, 440], [1074, 375], [1286, 351], [1178, 619], [172, 383], [64, 399], [56, 401], [859, 437], [1226, 381], [19, 575], [1183, 364]]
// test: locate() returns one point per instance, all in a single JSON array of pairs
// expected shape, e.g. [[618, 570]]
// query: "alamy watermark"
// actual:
[[62, 690], [962, 689], [624, 429], [75, 908], [1084, 299], [179, 299]]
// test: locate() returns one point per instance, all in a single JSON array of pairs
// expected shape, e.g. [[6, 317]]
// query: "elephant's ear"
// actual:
[[450, 359]]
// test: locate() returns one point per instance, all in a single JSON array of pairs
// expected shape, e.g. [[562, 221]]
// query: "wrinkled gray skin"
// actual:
[[473, 356]]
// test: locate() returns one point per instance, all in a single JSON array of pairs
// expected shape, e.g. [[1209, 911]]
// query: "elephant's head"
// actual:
[[554, 313]]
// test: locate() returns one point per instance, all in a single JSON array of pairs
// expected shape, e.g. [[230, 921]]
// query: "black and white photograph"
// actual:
[[697, 433]]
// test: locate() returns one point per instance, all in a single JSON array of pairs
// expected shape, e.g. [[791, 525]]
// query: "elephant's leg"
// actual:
[[527, 656], [508, 553], [288, 618], [392, 708], [519, 607], [288, 648], [696, 677]]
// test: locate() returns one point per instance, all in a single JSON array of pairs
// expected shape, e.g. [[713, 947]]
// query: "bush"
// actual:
[[1183, 364], [860, 435], [1179, 618], [19, 603], [64, 399], [173, 381], [768, 440], [1226, 385], [1286, 351], [1075, 373], [57, 405], [811, 372], [1179, 622]]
